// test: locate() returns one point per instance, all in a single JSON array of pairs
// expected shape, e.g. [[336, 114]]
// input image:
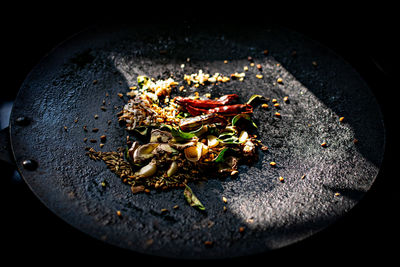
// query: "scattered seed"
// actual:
[[245, 68], [101, 145], [259, 66], [274, 100], [175, 207], [103, 138], [302, 177], [324, 144], [85, 139], [279, 80], [224, 199], [314, 63], [341, 119], [103, 108], [95, 130], [65, 128], [164, 210], [272, 163], [337, 194], [225, 208], [259, 76], [265, 52], [225, 61], [85, 128], [277, 105], [120, 95], [281, 179], [286, 99], [264, 105], [277, 114], [249, 58], [241, 229], [119, 214], [95, 81], [355, 141], [96, 116], [93, 141]]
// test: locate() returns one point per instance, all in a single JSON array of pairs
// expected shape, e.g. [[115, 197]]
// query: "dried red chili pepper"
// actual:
[[229, 110], [200, 103]]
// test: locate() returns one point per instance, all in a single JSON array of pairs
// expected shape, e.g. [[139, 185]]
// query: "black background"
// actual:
[[365, 37]]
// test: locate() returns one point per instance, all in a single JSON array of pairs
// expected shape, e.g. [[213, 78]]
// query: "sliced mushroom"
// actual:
[[158, 136], [164, 148], [132, 149], [194, 153], [144, 152], [180, 146]]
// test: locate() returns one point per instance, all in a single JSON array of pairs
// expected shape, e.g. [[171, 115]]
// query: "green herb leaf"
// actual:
[[254, 97], [183, 115], [142, 130], [244, 116], [143, 82], [128, 158], [192, 199]]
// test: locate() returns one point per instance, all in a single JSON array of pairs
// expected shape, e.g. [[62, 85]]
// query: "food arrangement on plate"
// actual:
[[185, 138]]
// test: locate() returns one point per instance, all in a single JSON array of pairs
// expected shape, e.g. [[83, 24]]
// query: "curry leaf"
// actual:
[[192, 199], [244, 116], [254, 97]]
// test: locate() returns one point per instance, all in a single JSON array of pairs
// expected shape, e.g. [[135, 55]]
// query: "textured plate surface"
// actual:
[[60, 91]]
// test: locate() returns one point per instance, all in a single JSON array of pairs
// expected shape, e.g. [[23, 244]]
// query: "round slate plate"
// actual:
[[320, 184]]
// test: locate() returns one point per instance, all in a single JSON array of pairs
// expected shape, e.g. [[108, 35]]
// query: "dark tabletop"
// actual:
[[369, 230]]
